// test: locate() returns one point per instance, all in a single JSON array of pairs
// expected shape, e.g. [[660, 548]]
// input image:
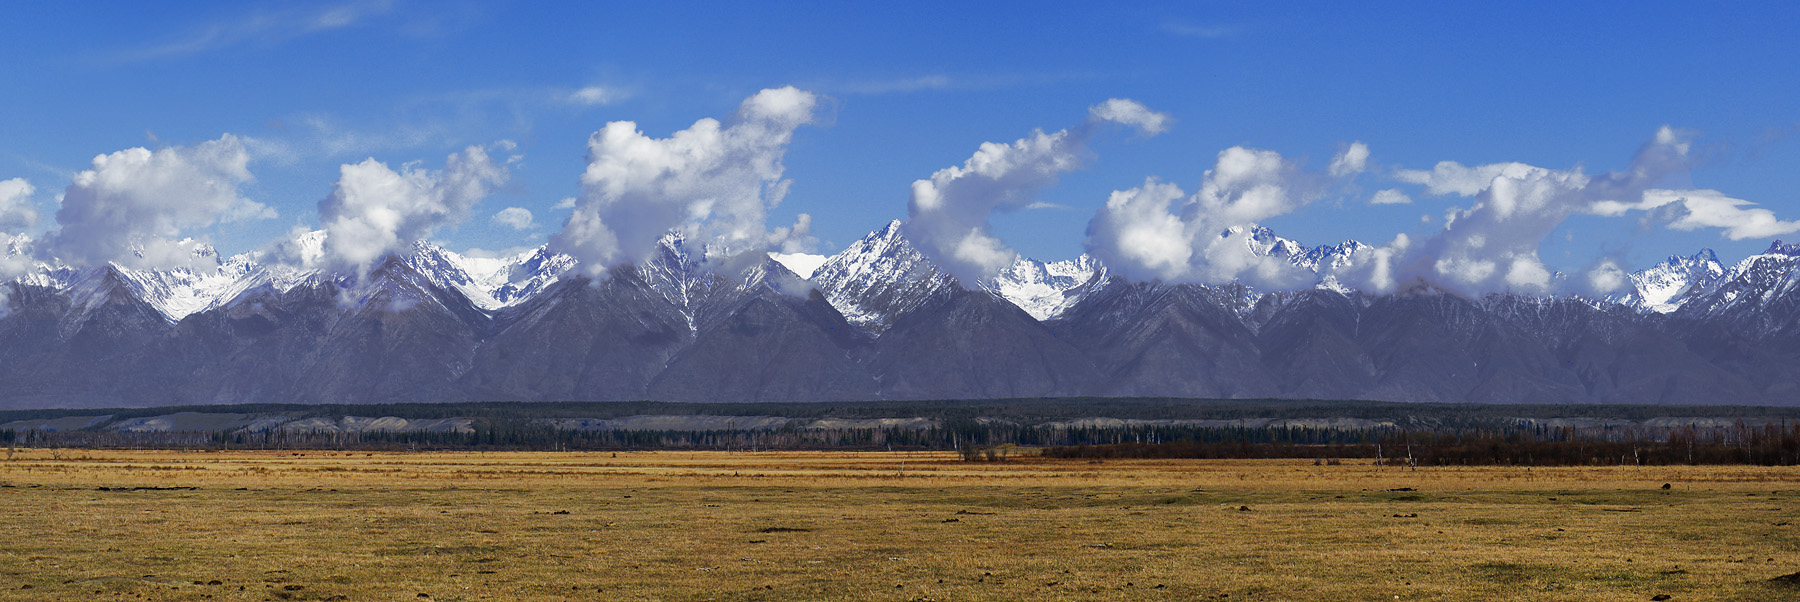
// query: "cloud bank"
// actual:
[[947, 214], [713, 182], [141, 208], [1493, 244]]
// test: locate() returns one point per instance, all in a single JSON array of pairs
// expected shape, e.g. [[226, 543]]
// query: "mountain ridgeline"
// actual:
[[877, 321]]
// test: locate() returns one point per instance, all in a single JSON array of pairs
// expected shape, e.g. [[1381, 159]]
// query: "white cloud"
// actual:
[[373, 210], [1689, 210], [1350, 161], [17, 212], [1391, 196], [1376, 266], [948, 212], [1493, 244], [1206, 239], [1450, 177], [137, 206], [1606, 277], [567, 202], [1136, 233], [713, 182], [594, 96], [517, 218], [1528, 273], [1132, 113]]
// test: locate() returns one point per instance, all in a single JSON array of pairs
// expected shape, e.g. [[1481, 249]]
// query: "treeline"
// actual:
[[503, 439], [1762, 446], [537, 436], [1515, 444]]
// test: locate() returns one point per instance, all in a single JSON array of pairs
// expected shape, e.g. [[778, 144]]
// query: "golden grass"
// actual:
[[876, 526]]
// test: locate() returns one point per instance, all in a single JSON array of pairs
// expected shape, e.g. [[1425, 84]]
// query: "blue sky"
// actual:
[[906, 90]]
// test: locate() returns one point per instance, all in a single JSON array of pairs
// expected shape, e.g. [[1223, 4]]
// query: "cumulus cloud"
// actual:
[[1350, 161], [517, 218], [1391, 196], [1131, 113], [1142, 233], [140, 207], [374, 210], [1493, 244], [713, 182], [948, 212], [17, 212]]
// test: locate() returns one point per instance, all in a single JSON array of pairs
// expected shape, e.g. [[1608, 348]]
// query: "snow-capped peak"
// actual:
[[1263, 241], [181, 291], [1322, 259], [491, 283], [1780, 248], [1663, 287], [1046, 290], [876, 279], [16, 244], [1330, 258]]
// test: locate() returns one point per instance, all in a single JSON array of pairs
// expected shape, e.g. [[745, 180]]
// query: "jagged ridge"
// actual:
[[877, 320]]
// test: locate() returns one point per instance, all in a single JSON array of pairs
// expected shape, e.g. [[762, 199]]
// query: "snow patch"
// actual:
[[803, 264]]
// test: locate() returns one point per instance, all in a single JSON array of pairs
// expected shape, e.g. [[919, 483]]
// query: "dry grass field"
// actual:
[[129, 525]]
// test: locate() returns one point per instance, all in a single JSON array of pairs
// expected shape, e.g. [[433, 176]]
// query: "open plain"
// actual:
[[325, 525]]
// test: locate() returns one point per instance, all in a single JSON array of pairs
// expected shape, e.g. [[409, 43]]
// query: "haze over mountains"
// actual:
[[876, 321]]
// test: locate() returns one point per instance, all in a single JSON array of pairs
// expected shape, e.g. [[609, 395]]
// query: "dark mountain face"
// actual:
[[687, 327], [962, 343], [1155, 340], [80, 347], [258, 347], [1309, 345], [399, 339], [580, 341], [770, 347]]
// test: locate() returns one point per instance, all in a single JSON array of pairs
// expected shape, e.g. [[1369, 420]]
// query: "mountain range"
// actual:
[[876, 321]]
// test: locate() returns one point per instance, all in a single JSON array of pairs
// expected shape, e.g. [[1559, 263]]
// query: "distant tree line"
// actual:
[[1777, 445], [1769, 445]]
